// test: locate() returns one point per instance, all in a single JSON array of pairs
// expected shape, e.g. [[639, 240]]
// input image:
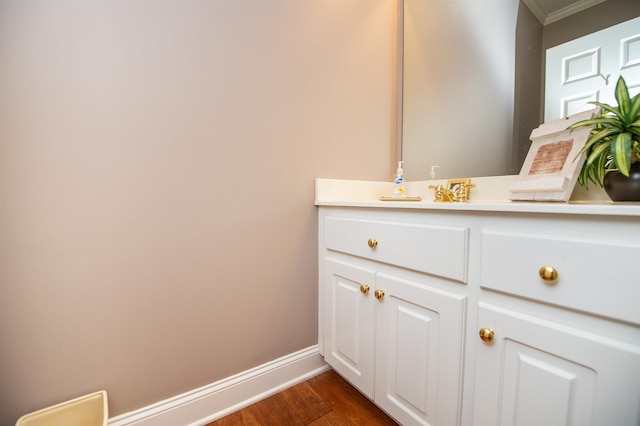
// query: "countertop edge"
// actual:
[[609, 209]]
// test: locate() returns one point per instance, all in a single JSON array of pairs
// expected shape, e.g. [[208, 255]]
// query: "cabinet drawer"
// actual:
[[437, 250], [592, 276]]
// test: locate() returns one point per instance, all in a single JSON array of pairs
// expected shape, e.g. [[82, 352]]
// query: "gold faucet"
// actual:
[[445, 195]]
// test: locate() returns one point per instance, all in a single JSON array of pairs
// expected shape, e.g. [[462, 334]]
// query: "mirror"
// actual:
[[473, 80]]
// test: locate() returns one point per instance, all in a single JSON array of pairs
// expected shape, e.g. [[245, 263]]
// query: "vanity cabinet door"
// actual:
[[533, 371], [349, 322], [419, 347]]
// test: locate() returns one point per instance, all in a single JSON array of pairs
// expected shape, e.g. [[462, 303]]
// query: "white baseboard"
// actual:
[[209, 403]]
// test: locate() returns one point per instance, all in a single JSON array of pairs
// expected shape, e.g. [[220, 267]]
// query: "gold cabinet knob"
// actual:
[[364, 289], [548, 274], [373, 243], [379, 294], [486, 334]]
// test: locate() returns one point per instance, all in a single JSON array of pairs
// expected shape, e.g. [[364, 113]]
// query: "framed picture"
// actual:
[[553, 163], [456, 185]]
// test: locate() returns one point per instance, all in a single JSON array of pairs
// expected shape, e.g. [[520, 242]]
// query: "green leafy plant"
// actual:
[[614, 142]]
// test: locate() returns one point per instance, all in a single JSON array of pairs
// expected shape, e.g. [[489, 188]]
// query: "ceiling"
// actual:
[[548, 11]]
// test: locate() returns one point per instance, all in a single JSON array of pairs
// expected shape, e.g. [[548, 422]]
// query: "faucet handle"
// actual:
[[437, 189], [462, 196]]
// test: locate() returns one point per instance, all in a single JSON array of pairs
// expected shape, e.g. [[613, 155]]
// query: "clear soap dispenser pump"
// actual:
[[398, 191]]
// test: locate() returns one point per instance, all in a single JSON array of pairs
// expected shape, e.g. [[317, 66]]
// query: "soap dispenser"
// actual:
[[432, 175], [398, 191]]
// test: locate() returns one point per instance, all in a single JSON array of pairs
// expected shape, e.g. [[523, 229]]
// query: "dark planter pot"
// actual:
[[622, 188]]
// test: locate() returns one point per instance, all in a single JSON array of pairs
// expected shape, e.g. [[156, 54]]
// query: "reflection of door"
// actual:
[[587, 69]]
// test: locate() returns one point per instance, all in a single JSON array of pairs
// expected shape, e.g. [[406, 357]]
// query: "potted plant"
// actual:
[[613, 149]]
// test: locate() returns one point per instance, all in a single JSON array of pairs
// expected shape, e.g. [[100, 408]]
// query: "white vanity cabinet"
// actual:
[[512, 314], [573, 357], [395, 334]]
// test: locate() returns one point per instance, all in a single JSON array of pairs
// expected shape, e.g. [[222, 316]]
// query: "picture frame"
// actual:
[[551, 168]]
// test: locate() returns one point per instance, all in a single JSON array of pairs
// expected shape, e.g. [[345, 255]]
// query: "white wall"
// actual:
[[157, 227], [458, 87]]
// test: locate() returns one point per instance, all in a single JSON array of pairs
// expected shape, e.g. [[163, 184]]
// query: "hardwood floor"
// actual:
[[326, 399]]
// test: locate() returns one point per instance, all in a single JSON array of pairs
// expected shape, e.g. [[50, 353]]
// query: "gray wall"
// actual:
[[157, 163], [596, 18], [529, 76]]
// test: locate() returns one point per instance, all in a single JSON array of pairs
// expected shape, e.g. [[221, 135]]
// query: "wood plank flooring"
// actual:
[[323, 400]]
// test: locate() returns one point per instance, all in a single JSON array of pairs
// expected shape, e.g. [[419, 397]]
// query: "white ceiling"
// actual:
[[548, 11]]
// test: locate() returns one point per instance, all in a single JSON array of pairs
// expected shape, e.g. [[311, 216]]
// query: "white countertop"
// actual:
[[490, 195]]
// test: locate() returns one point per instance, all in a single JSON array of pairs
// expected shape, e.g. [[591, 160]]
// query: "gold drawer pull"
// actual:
[[486, 334], [548, 274], [373, 243], [364, 289], [379, 294]]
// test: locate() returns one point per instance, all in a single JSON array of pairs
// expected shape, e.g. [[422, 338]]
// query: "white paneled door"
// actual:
[[536, 372], [587, 69], [418, 362], [399, 341], [349, 323]]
